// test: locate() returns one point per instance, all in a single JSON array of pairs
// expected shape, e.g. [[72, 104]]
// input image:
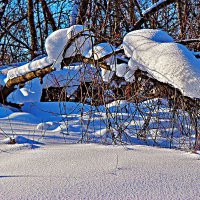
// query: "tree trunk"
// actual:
[[49, 15], [82, 10], [33, 35]]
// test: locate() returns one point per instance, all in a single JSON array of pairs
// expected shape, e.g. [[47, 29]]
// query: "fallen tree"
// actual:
[[153, 88]]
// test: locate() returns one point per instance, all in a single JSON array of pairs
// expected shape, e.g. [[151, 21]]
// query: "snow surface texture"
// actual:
[[55, 44], [155, 52], [31, 92], [98, 172], [29, 67]]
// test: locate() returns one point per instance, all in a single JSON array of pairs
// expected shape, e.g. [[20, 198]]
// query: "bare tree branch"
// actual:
[[2, 9], [146, 15], [188, 41], [49, 15], [11, 25]]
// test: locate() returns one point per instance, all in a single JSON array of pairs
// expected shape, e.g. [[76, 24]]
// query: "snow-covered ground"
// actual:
[[70, 122], [39, 154], [47, 163], [91, 171]]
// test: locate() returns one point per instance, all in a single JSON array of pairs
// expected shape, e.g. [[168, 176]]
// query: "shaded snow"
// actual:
[[99, 51], [31, 92], [121, 70], [68, 122], [5, 111], [22, 117], [42, 166]]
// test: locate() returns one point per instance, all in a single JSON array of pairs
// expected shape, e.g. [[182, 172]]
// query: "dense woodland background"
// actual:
[[25, 24]]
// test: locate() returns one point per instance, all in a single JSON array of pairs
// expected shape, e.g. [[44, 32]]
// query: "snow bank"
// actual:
[[47, 126], [99, 51], [53, 111], [21, 143], [155, 52], [56, 42], [19, 140], [22, 117], [69, 77]]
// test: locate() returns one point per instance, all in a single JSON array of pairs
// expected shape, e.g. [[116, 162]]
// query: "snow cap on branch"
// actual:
[[56, 42], [155, 52]]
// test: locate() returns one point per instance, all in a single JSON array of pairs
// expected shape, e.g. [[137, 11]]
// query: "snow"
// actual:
[[4, 111], [98, 172], [31, 92], [82, 44], [55, 44], [29, 67], [21, 117], [53, 111], [57, 41], [46, 162], [67, 121], [155, 52], [99, 51], [121, 69], [69, 78]]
